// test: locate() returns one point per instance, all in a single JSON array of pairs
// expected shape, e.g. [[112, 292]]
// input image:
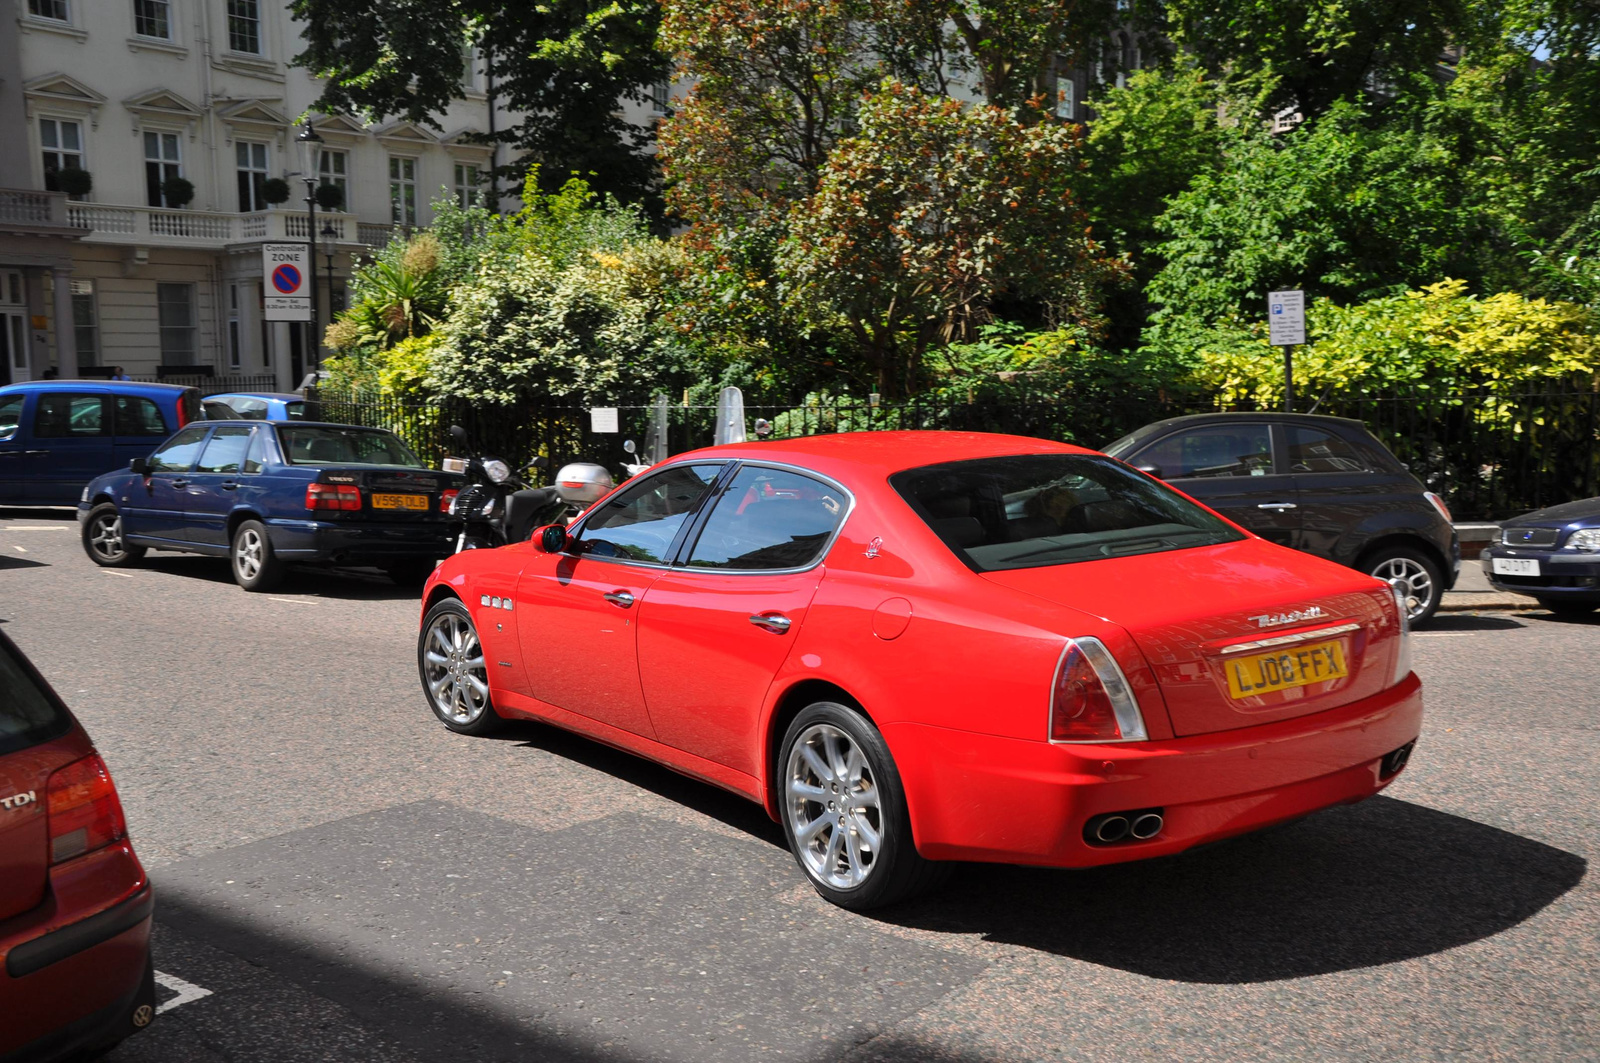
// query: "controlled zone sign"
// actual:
[[286, 282], [1286, 318]]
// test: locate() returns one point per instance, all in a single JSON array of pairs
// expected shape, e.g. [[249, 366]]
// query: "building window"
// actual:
[[244, 26], [467, 192], [333, 168], [402, 191], [235, 355], [252, 171], [56, 9], [85, 322], [62, 143], [175, 309], [1066, 96], [161, 163], [660, 96], [150, 19]]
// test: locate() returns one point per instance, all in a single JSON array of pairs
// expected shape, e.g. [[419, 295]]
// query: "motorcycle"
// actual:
[[496, 507]]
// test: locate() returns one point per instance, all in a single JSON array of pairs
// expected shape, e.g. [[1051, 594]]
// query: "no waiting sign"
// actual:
[[286, 282], [1286, 318]]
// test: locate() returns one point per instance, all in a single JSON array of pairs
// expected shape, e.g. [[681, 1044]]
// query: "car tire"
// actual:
[[1419, 572], [255, 566], [1569, 610], [455, 675], [412, 572], [844, 811], [103, 540]]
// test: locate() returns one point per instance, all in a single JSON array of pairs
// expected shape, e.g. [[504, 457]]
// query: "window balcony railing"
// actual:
[[160, 226], [23, 206]]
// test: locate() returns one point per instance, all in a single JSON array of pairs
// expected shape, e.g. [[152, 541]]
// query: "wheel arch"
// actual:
[[239, 516], [439, 593], [1399, 539], [788, 705]]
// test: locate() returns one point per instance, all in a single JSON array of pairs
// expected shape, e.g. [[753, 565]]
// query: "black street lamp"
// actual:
[[330, 244], [310, 146]]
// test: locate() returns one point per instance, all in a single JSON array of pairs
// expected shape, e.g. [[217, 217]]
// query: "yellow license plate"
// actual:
[[1296, 666], [416, 502]]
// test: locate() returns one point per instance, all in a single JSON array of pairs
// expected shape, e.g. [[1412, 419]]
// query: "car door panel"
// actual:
[[213, 489], [155, 506], [71, 445], [1235, 469], [14, 413]]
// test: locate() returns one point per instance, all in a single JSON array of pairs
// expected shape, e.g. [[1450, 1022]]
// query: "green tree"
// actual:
[[561, 65], [931, 213]]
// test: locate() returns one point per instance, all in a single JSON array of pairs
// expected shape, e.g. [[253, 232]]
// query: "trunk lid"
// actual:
[[1246, 611], [385, 489]]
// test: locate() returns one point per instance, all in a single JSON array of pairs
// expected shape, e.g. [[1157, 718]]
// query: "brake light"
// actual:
[[1091, 700], [447, 500], [333, 496], [1438, 503], [84, 813]]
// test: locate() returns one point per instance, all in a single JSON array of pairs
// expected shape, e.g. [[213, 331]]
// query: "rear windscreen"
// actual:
[[345, 446], [1033, 510], [27, 715]]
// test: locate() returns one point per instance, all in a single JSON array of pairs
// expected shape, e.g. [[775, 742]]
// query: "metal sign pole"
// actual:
[[1288, 378]]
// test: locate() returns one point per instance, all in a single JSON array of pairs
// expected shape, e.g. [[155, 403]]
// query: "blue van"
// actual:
[[57, 435]]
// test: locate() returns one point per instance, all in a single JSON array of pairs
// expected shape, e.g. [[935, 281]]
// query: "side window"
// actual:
[[769, 519], [65, 415], [641, 522], [134, 416], [1313, 450], [10, 417], [1216, 450], [225, 451], [178, 453], [256, 456]]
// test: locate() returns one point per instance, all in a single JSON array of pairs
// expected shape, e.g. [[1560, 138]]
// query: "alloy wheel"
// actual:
[[453, 668], [247, 553], [1415, 584], [105, 537], [831, 798]]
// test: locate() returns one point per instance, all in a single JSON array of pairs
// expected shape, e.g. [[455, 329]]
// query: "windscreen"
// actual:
[[1033, 510], [27, 716], [345, 446]]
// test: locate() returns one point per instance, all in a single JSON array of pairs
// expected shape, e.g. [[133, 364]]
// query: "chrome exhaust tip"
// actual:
[[1111, 829], [1147, 826]]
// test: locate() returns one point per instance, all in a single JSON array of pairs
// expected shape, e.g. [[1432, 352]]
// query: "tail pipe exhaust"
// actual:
[[1120, 828]]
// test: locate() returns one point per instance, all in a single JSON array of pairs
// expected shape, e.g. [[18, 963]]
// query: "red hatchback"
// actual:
[[915, 647], [75, 970]]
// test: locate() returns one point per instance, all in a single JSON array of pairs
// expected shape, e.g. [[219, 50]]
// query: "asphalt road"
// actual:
[[343, 879]]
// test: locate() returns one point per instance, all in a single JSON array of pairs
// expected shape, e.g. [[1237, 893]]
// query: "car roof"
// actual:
[[289, 424], [1224, 416], [281, 396], [78, 383], [883, 453]]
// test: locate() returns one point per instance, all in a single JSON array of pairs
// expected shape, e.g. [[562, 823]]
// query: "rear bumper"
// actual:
[[360, 542], [979, 797], [71, 982], [1563, 575]]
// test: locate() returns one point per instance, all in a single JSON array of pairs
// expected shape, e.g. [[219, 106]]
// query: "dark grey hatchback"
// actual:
[[1319, 484]]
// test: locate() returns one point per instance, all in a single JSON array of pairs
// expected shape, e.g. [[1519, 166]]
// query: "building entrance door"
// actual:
[[13, 346]]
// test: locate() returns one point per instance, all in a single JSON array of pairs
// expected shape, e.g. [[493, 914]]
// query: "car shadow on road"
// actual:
[[343, 583], [1444, 622], [7, 561], [1350, 887]]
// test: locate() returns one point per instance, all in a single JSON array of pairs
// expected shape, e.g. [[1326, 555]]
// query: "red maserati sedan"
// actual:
[[75, 904], [921, 647]]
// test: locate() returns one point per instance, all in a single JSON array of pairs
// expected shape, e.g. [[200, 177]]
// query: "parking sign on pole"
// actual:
[[286, 282], [1286, 327]]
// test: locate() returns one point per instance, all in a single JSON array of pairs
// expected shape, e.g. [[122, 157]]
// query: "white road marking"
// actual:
[[1444, 634], [20, 548], [124, 575], [291, 601], [187, 992], [32, 527]]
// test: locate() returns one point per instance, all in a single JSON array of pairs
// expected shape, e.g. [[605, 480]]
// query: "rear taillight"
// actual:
[[84, 813], [1402, 657], [1091, 700], [447, 499], [333, 496], [1438, 503]]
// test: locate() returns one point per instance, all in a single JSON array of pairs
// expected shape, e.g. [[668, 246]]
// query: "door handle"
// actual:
[[229, 485], [1277, 505], [180, 483], [776, 623], [621, 599]]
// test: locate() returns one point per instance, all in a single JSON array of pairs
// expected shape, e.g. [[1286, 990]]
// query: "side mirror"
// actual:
[[1150, 470], [551, 539], [140, 466], [628, 447], [458, 433], [541, 462]]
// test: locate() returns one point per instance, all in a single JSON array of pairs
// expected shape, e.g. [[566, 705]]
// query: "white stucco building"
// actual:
[[136, 92]]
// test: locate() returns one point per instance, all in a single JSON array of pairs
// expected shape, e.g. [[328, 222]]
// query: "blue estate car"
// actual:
[[57, 435], [1552, 554], [265, 493], [258, 406]]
